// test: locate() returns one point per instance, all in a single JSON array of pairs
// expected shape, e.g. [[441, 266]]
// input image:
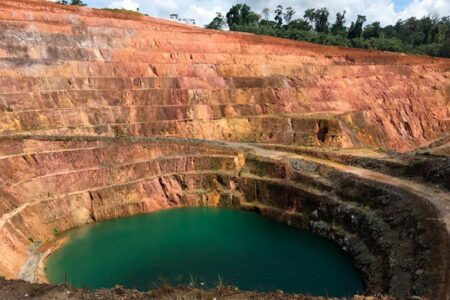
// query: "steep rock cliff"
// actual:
[[77, 71], [99, 111]]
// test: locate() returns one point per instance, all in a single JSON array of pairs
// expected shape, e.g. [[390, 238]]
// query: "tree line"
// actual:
[[72, 2], [429, 35]]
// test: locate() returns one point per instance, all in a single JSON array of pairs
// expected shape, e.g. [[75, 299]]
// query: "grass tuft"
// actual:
[[123, 10]]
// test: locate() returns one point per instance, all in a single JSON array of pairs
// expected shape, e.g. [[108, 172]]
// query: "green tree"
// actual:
[[245, 12], [279, 15], [428, 25], [234, 15], [241, 14], [217, 23], [356, 28], [318, 18], [299, 24], [266, 12], [252, 18], [445, 49], [290, 12], [268, 24], [338, 28], [429, 35], [310, 15], [443, 30], [372, 31], [77, 2], [386, 44]]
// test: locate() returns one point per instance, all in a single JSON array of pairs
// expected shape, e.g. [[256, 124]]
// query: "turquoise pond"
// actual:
[[174, 246]]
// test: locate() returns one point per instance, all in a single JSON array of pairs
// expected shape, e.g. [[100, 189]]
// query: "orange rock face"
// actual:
[[99, 111], [78, 71]]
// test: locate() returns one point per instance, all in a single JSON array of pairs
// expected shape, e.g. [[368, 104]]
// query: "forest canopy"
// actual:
[[429, 35]]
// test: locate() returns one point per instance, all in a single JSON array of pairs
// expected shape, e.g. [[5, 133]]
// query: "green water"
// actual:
[[172, 246]]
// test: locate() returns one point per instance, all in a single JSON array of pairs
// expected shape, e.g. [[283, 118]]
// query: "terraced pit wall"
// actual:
[[395, 235], [98, 110], [75, 71]]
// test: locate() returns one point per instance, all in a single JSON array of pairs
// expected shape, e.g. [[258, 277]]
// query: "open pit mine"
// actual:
[[105, 115]]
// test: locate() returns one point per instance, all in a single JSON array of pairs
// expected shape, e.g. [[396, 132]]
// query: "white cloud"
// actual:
[[424, 7], [126, 4], [202, 15], [164, 4]]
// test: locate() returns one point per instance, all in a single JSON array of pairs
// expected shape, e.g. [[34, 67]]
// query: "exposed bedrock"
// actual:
[[105, 115], [78, 71], [397, 234]]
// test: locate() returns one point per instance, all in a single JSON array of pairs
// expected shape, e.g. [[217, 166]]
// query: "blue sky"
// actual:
[[386, 11], [401, 4]]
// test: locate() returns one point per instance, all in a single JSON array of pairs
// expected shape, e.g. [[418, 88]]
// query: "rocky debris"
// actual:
[[23, 290], [434, 169], [82, 71]]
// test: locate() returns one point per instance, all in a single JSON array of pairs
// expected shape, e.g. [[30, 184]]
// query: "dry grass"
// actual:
[[123, 11]]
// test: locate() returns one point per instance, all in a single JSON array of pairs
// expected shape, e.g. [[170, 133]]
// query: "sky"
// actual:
[[203, 11]]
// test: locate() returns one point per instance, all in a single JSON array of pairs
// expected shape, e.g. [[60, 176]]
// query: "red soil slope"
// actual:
[[68, 70], [82, 89]]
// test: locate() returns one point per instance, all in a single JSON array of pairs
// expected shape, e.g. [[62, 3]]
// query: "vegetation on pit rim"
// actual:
[[72, 2], [123, 10], [116, 10], [428, 35], [23, 290], [56, 231]]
